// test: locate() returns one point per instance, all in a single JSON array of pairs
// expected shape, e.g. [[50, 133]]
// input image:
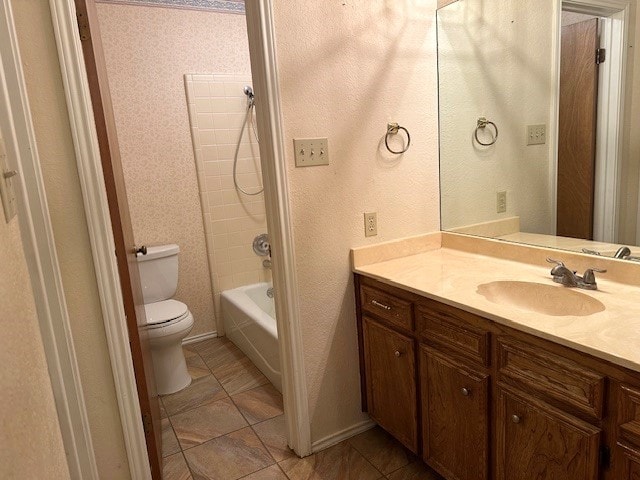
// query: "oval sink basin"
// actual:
[[551, 300]]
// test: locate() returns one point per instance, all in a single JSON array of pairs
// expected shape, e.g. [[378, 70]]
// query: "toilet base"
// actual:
[[170, 369]]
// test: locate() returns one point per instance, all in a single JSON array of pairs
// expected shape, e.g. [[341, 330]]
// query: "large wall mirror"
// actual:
[[540, 122]]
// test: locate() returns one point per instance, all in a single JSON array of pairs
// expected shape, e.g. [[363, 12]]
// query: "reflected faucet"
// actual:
[[622, 252]]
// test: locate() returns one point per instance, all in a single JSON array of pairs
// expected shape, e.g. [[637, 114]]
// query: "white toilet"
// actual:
[[168, 321]]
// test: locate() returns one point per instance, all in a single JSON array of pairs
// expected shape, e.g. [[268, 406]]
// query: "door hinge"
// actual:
[[605, 457], [83, 26], [601, 55], [146, 423]]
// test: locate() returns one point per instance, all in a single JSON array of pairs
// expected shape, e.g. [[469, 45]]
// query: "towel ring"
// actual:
[[392, 129], [482, 123]]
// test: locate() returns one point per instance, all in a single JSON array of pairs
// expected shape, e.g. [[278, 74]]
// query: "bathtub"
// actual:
[[250, 322]]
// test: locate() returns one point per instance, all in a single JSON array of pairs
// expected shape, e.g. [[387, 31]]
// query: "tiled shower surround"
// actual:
[[217, 108]]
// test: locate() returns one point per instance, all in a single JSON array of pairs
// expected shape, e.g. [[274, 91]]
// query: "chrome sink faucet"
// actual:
[[569, 278]]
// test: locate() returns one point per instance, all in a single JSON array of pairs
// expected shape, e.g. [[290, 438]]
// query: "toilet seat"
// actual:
[[164, 313]]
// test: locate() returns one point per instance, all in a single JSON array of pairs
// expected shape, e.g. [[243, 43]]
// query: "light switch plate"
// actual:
[[311, 152], [6, 185], [536, 134]]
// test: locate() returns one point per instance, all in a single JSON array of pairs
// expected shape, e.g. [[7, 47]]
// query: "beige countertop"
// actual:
[[452, 276]]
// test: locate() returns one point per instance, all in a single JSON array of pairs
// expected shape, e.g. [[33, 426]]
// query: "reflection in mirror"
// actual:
[[559, 88]]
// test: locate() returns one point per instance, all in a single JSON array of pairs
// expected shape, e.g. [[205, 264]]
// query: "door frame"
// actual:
[[259, 16], [39, 246], [611, 111]]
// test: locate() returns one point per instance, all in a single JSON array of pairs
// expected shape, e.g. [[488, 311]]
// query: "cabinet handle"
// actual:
[[515, 418], [397, 353], [381, 305], [465, 391]]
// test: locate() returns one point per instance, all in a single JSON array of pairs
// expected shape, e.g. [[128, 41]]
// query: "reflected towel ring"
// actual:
[[392, 129], [482, 123]]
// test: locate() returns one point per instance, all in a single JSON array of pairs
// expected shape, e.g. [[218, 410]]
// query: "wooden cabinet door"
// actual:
[[391, 381], [455, 417], [536, 441]]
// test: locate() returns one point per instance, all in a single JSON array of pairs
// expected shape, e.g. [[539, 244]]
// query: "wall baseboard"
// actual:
[[341, 435], [199, 338]]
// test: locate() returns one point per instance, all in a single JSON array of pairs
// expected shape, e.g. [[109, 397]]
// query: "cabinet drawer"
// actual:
[[555, 378], [448, 327], [388, 307]]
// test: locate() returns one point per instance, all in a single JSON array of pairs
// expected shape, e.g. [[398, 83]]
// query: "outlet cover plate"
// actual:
[[501, 202], [311, 152], [536, 134], [370, 224]]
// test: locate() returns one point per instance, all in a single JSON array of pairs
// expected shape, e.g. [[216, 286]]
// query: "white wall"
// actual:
[[346, 68], [495, 60], [30, 439], [55, 148]]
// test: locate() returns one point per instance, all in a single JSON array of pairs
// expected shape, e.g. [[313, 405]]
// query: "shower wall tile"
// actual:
[[217, 108], [148, 50]]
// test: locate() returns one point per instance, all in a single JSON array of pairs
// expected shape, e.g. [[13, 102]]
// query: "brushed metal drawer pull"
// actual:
[[381, 305], [465, 391], [515, 418], [397, 353]]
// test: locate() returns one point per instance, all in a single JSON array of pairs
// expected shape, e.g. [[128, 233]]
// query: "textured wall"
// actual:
[[30, 440], [53, 136], [495, 61], [346, 68], [217, 111], [148, 50]]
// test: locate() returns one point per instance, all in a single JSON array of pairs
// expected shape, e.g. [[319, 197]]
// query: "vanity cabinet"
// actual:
[[535, 440], [455, 416], [481, 401], [391, 390]]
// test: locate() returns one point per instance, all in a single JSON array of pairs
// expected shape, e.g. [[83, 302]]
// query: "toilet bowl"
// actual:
[[167, 321]]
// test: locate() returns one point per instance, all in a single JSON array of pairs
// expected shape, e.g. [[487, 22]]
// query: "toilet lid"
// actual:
[[165, 311]]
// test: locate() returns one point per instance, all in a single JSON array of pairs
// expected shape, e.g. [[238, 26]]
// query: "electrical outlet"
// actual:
[[311, 152], [370, 224], [536, 134], [501, 202]]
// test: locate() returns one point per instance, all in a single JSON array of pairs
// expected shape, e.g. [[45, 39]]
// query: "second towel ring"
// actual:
[[482, 123], [392, 129]]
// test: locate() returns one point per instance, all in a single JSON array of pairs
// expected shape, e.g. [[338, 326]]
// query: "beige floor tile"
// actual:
[[202, 391], [218, 351], [381, 449], [414, 471], [169, 441], [175, 468], [196, 366], [272, 434], [239, 375], [259, 404], [340, 462], [228, 457], [209, 421], [163, 412], [270, 473]]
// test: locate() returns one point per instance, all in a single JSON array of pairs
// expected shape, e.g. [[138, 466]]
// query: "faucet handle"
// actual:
[[589, 276], [559, 264]]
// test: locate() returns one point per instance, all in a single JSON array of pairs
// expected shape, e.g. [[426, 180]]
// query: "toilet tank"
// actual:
[[159, 272]]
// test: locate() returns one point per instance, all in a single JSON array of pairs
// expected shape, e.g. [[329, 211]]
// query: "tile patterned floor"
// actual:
[[229, 424]]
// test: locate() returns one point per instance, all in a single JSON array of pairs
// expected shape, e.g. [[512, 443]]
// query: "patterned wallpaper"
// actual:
[[222, 6], [217, 110], [148, 51]]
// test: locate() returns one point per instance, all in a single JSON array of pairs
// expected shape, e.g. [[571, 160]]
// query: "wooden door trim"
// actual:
[[259, 17], [96, 208]]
